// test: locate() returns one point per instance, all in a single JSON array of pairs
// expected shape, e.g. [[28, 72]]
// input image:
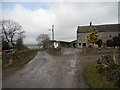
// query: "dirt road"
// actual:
[[46, 71]]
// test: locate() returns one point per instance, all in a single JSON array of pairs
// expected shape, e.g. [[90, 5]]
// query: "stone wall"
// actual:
[[116, 56], [115, 53], [97, 50], [107, 35]]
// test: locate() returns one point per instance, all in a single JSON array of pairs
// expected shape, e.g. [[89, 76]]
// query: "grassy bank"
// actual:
[[26, 59], [53, 53], [17, 60], [95, 53], [95, 80]]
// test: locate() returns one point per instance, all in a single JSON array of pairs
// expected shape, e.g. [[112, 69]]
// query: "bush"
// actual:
[[96, 80], [90, 46], [109, 43], [99, 43], [106, 67], [54, 51]]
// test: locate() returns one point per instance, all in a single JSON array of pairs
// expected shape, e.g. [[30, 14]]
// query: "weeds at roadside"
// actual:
[[18, 59], [95, 80]]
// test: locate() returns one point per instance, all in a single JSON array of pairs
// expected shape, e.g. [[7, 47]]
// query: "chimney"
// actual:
[[90, 23]]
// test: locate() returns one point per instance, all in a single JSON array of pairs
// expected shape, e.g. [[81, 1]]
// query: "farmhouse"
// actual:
[[105, 32]]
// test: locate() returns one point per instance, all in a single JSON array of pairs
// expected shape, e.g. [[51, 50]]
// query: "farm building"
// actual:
[[105, 32]]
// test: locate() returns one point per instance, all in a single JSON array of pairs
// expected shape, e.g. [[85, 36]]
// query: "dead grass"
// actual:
[[11, 69]]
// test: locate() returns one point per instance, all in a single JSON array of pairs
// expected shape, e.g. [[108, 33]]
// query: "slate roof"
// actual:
[[100, 28]]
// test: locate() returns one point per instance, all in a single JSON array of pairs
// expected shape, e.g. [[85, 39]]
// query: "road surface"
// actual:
[[0, 72], [46, 71]]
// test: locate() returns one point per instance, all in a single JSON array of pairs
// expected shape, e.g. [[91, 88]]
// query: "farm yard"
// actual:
[[35, 47], [60, 45]]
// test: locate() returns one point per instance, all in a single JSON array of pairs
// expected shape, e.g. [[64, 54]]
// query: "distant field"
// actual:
[[35, 47]]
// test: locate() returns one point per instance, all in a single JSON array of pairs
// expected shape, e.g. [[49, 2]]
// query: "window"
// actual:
[[110, 36], [79, 44], [84, 44]]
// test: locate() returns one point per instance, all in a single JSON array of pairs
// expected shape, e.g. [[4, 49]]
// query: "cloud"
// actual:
[[65, 16]]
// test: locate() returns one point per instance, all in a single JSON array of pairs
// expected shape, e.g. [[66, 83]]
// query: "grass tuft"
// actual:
[[53, 53]]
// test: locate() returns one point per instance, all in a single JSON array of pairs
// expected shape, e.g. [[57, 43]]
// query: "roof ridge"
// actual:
[[99, 25], [101, 28]]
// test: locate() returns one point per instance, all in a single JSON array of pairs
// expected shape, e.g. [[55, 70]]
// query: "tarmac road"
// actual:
[[46, 71]]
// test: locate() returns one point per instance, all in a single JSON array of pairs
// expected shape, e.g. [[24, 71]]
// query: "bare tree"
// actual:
[[11, 31], [43, 39]]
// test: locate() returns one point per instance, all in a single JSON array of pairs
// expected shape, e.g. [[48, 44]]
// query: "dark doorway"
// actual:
[[79, 44], [84, 44], [74, 45]]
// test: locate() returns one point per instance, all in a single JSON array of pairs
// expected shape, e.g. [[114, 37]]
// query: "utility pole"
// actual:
[[53, 32]]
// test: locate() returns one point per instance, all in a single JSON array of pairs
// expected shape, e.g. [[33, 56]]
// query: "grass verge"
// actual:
[[94, 53], [95, 80], [26, 59], [18, 62], [53, 53]]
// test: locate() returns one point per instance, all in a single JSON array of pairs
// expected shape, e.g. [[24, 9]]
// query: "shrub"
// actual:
[[96, 80], [90, 46], [99, 43], [106, 67]]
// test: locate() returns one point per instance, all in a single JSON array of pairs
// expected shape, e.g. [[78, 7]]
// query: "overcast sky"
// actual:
[[37, 18]]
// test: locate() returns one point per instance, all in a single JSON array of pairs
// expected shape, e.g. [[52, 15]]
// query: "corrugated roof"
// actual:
[[100, 28]]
